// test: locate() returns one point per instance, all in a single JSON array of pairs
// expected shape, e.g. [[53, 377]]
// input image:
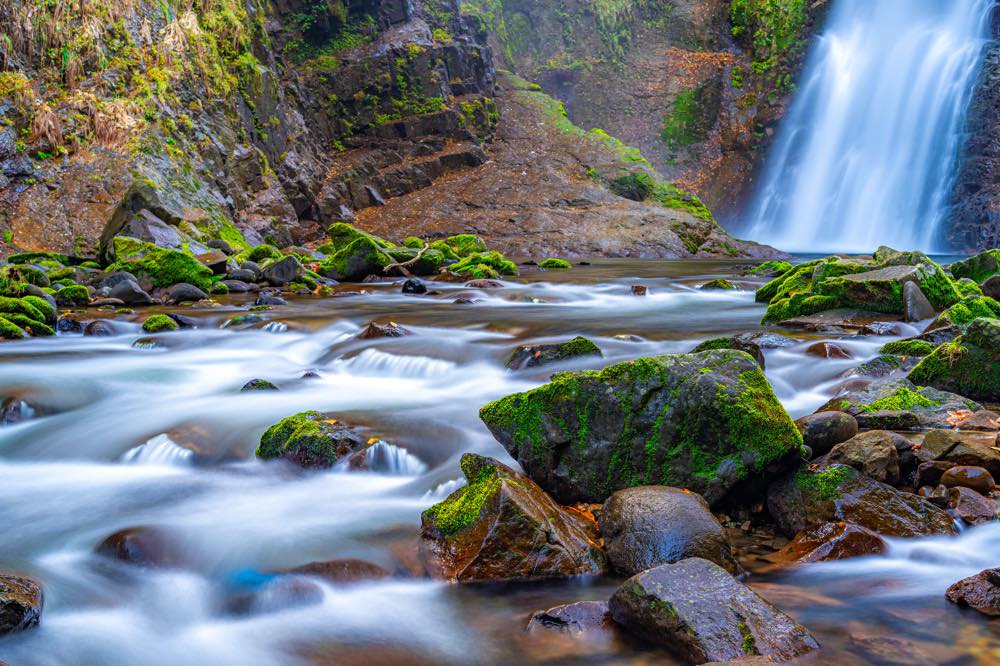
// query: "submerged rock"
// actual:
[[341, 571], [504, 527], [529, 356], [146, 546], [588, 618], [971, 507], [709, 422], [648, 526], [310, 440], [701, 613], [20, 603], [258, 385], [980, 592]]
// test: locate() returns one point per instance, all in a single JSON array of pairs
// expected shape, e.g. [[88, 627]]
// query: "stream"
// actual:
[[134, 430]]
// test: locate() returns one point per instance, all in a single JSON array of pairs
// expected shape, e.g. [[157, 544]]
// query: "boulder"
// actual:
[[930, 473], [872, 453], [183, 291], [414, 287], [830, 541], [129, 293], [20, 603], [502, 526], [968, 476], [991, 287], [739, 343], [341, 571], [824, 430], [144, 546], [648, 526], [980, 592], [529, 356], [971, 507], [701, 613], [238, 286], [881, 290], [962, 314], [215, 261], [242, 275], [590, 618], [356, 261], [898, 404], [805, 499], [969, 365], [258, 385], [830, 350], [310, 440], [283, 271], [375, 330], [916, 307], [978, 268], [708, 422], [962, 448]]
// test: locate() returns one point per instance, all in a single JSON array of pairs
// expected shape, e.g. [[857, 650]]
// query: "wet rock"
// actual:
[[104, 328], [991, 287], [872, 453], [484, 284], [980, 592], [824, 430], [15, 410], [243, 321], [111, 280], [984, 420], [284, 271], [590, 618], [719, 284], [504, 527], [20, 603], [765, 340], [310, 440], [145, 546], [258, 385], [215, 260], [881, 404], [242, 275], [831, 541], [342, 571], [969, 365], [805, 499], [375, 330], [254, 268], [632, 416], [886, 419], [221, 246], [962, 448], [69, 325], [966, 476], [701, 613], [739, 343], [885, 365], [529, 356], [916, 307], [930, 473], [129, 293], [639, 290], [238, 286], [828, 350], [646, 526], [183, 291], [107, 303], [413, 286], [267, 298], [971, 507], [277, 594]]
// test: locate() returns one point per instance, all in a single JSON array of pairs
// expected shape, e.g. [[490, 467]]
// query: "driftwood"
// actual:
[[401, 265]]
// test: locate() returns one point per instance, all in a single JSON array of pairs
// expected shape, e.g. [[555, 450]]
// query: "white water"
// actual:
[[867, 153]]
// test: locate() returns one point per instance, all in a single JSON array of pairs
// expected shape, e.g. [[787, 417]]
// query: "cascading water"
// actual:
[[868, 151]]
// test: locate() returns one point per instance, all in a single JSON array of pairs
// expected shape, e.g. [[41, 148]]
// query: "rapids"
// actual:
[[158, 434]]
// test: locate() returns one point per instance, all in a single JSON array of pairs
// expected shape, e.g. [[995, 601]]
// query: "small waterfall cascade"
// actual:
[[868, 151]]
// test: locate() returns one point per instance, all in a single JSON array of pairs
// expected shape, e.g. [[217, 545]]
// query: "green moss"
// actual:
[[412, 242], [978, 268], [691, 116], [75, 295], [60, 274], [36, 257], [358, 259], [824, 484], [775, 31], [275, 440], [908, 348], [464, 245], [799, 305], [902, 400], [162, 267], [493, 260], [26, 274], [430, 261], [220, 288], [771, 268], [756, 419], [553, 262], [10, 330], [159, 323], [343, 234], [968, 310], [719, 284], [965, 287], [464, 507], [713, 344], [260, 253]]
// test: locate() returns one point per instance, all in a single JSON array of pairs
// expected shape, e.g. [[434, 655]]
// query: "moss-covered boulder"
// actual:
[[71, 295], [978, 268], [426, 262], [483, 265], [554, 262], [356, 261], [708, 422], [24, 316], [967, 287], [159, 323], [770, 269], [502, 526], [529, 356], [719, 284], [885, 402], [966, 311], [311, 440], [343, 234], [21, 602], [919, 348], [969, 365], [805, 499], [742, 342], [161, 267], [464, 245], [881, 290]]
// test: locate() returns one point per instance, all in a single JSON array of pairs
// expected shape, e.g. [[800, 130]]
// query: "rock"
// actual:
[[719, 284], [962, 448], [183, 291], [884, 365], [14, 410], [414, 286], [639, 290], [20, 603], [984, 420], [805, 499], [824, 430], [284, 271], [831, 541], [484, 284], [883, 404], [258, 385], [238, 286], [969, 365], [708, 422], [739, 343], [390, 330], [215, 261], [221, 246], [274, 595], [980, 592], [930, 473], [881, 290], [968, 476], [104, 328], [357, 260], [529, 356], [828, 350], [143, 546], [129, 293], [159, 323], [342, 571], [648, 526], [310, 440], [701, 613], [977, 268], [254, 268], [590, 618], [971, 507], [69, 325], [991, 287], [872, 453], [504, 527], [242, 275], [267, 298], [916, 307], [111, 280]]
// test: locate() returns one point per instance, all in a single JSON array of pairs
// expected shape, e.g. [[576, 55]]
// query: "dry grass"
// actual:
[[46, 129]]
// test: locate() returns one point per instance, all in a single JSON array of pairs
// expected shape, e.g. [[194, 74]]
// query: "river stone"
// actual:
[[215, 260], [648, 526], [311, 440], [971, 507], [883, 404], [414, 287], [969, 365], [708, 422], [701, 613], [129, 293], [20, 603], [930, 473], [804, 499], [981, 592], [830, 541], [916, 307], [242, 275], [590, 618], [739, 343], [529, 356], [502, 526], [238, 286], [267, 298], [258, 385], [968, 476], [110, 280], [342, 571], [183, 291], [824, 430], [872, 453], [962, 448], [145, 546], [829, 350], [283, 271]]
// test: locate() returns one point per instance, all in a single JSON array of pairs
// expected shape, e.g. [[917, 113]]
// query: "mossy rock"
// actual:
[[929, 406], [32, 315], [311, 440], [471, 265], [36, 257], [261, 253], [342, 235], [446, 250], [739, 343], [11, 331], [709, 422], [770, 268], [881, 290], [26, 274], [719, 284], [969, 365], [356, 261], [162, 267], [978, 268], [412, 242], [529, 356], [908, 348], [967, 287], [73, 295], [799, 305], [464, 245], [966, 311], [220, 288], [553, 262], [159, 323], [430, 262], [62, 273]]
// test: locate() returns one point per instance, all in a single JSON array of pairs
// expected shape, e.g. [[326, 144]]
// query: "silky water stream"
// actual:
[[159, 435]]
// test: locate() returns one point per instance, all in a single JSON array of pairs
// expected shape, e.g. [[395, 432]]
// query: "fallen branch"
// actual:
[[401, 265]]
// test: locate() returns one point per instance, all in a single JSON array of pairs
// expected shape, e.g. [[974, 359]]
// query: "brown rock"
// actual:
[[971, 507], [143, 546], [976, 478], [828, 350], [962, 448], [342, 571], [592, 618], [502, 526], [20, 603], [984, 420], [831, 541], [376, 330], [981, 592], [930, 473], [824, 430], [872, 453]]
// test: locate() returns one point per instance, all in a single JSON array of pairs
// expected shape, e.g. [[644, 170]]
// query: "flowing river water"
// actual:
[[132, 433]]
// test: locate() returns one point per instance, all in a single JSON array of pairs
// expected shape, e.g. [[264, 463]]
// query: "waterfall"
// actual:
[[867, 153]]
